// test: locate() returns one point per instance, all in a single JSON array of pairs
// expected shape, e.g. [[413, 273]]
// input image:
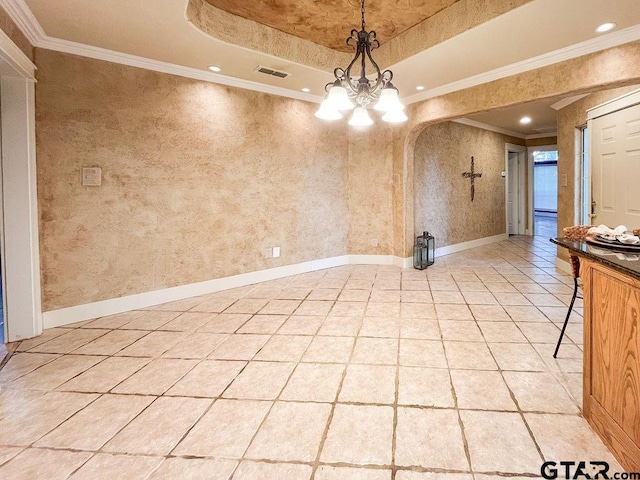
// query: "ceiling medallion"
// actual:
[[362, 90]]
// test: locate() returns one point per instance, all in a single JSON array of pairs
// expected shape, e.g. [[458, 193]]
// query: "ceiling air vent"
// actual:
[[546, 129], [272, 72]]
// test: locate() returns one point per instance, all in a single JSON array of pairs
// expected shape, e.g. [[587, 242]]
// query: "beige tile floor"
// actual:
[[355, 372]]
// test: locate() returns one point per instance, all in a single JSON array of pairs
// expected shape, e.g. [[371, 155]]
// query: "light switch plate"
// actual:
[[276, 252], [91, 176]]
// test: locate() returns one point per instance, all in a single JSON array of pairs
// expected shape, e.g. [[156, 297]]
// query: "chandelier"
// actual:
[[363, 91]]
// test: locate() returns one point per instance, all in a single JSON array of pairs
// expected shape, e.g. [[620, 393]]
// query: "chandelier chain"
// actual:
[[362, 12]]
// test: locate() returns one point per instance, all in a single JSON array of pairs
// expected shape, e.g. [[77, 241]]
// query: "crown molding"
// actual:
[[29, 25], [611, 40], [491, 128], [13, 56], [503, 131], [565, 102], [542, 135], [615, 104], [74, 48], [25, 20]]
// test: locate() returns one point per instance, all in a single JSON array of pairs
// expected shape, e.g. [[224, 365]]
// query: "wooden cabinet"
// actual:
[[612, 359]]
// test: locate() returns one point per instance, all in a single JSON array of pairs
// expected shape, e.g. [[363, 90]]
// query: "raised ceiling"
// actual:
[[543, 118], [330, 22], [457, 47]]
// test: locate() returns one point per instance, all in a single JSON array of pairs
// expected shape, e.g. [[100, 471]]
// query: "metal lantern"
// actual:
[[424, 251]]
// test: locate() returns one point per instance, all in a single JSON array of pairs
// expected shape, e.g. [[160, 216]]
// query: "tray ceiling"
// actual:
[[330, 22]]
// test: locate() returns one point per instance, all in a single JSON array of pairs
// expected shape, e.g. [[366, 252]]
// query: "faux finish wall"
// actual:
[[570, 119], [443, 196], [197, 180], [614, 67], [13, 32]]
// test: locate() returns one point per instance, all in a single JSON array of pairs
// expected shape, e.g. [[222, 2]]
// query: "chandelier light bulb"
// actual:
[[395, 116], [327, 112], [389, 100], [339, 99], [360, 118], [364, 90]]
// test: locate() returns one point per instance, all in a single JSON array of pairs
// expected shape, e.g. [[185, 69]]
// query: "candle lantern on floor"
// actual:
[[424, 251]]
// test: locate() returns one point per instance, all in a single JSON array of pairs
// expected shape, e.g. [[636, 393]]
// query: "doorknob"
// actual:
[[593, 215]]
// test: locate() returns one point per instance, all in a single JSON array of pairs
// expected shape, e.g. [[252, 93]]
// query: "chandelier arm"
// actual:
[[351, 85], [380, 79], [362, 89]]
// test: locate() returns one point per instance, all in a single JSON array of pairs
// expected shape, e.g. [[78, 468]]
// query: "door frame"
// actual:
[[19, 232], [521, 150], [531, 173], [614, 105]]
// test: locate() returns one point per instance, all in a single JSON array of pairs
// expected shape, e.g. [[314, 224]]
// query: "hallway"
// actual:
[[545, 225]]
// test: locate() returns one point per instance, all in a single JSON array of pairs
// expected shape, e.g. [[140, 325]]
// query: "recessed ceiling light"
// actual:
[[306, 90], [214, 68], [605, 27], [525, 120], [419, 88]]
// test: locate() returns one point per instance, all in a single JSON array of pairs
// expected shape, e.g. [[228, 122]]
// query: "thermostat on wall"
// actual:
[[91, 176]]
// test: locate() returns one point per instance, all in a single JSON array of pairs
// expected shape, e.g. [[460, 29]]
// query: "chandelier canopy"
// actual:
[[347, 88]]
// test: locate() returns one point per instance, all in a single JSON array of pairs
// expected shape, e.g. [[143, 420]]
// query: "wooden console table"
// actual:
[[611, 398]]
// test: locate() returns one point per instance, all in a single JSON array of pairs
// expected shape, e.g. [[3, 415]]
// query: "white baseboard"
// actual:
[[564, 266], [459, 247], [79, 313], [403, 262]]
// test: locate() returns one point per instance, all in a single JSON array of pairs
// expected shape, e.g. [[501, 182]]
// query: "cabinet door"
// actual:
[[615, 349]]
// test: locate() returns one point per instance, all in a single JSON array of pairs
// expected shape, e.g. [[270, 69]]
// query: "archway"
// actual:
[[608, 69]]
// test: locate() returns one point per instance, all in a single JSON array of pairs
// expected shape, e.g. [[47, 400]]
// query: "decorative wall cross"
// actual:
[[472, 175]]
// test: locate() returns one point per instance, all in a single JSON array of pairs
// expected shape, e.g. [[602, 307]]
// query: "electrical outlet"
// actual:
[[564, 180], [268, 252], [374, 242], [276, 252]]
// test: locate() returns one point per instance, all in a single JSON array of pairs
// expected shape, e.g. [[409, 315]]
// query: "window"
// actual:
[[585, 182], [545, 176]]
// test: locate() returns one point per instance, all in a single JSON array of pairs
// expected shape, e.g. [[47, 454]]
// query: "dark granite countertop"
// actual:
[[624, 262]]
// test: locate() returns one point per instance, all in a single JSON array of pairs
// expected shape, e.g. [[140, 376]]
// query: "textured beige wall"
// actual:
[[252, 35], [198, 179], [611, 68], [370, 190], [570, 119], [443, 196], [13, 32], [280, 177], [541, 142], [461, 16]]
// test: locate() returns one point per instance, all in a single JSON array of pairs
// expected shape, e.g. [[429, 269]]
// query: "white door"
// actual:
[[615, 155], [513, 196], [516, 166]]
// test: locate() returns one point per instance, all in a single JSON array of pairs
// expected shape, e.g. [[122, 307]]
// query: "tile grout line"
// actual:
[[325, 432]]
